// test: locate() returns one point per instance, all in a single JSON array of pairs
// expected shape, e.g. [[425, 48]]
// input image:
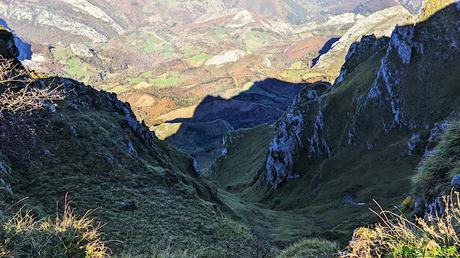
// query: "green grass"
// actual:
[[134, 80], [167, 52], [151, 44], [220, 33], [236, 169], [198, 60], [147, 74], [293, 75], [240, 169], [311, 248], [437, 170], [256, 39], [167, 80], [163, 81], [75, 67], [189, 50], [276, 229], [297, 66]]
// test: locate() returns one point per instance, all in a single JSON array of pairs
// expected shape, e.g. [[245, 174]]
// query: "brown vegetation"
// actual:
[[436, 235]]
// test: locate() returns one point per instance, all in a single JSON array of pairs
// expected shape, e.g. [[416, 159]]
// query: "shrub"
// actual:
[[65, 236], [311, 248], [434, 236], [22, 100]]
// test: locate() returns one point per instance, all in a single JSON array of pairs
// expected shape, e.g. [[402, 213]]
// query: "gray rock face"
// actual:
[[414, 6], [359, 52], [97, 25], [292, 133]]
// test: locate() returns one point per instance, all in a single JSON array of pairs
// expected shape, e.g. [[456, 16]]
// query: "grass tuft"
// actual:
[[311, 248], [67, 235]]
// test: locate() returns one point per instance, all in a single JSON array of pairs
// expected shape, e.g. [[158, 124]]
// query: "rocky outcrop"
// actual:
[[359, 52], [87, 7], [414, 6], [396, 86], [386, 88], [289, 135]]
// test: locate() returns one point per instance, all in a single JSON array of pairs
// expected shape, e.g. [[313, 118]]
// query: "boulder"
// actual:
[[455, 183], [126, 205]]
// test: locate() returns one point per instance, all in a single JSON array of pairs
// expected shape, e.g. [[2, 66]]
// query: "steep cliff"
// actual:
[[410, 90]]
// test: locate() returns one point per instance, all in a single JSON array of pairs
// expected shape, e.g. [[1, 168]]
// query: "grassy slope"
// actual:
[[434, 176], [174, 208], [238, 168]]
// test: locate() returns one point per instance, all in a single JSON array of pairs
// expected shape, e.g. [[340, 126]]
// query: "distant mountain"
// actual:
[[101, 20], [167, 56], [380, 24], [301, 11]]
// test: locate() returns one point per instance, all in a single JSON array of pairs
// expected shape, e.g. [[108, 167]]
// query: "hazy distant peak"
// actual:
[[413, 6]]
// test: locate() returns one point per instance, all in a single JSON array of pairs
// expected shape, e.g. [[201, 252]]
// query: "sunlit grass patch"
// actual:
[[67, 235]]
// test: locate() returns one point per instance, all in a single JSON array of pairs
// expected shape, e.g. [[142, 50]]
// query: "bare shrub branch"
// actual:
[[28, 99], [22, 96]]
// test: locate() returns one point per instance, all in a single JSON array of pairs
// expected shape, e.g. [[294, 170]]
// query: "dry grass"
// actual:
[[67, 235], [19, 92], [437, 235], [28, 99]]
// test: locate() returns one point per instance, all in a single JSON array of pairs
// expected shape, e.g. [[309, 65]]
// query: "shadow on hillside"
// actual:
[[263, 103], [325, 49]]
